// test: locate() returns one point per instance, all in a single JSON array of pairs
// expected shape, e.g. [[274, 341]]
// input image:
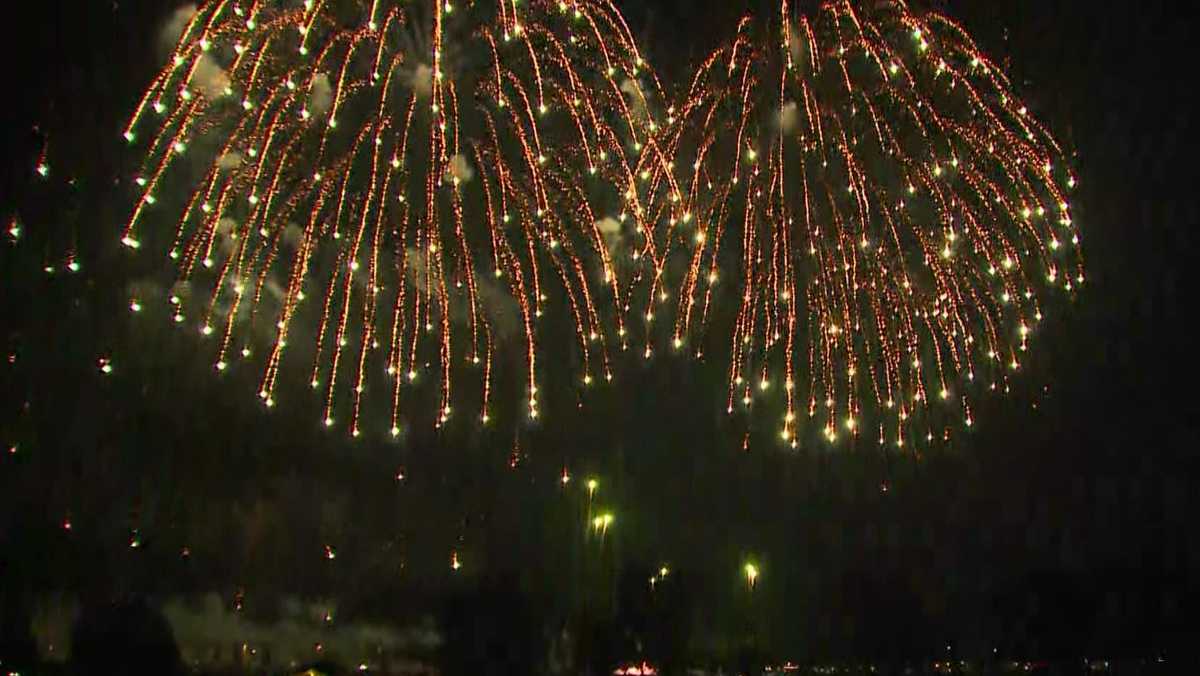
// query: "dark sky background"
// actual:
[[1064, 522]]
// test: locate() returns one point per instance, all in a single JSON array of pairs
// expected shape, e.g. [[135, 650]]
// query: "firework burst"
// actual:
[[396, 186], [888, 214]]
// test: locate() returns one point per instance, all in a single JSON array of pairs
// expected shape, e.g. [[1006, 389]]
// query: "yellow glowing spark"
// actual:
[[751, 572]]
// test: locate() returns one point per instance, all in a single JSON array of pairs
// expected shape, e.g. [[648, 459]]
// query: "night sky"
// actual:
[[1062, 524]]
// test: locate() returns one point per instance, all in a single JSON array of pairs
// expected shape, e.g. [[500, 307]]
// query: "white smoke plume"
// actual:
[[501, 309], [230, 160], [421, 81], [460, 168], [789, 118], [798, 47], [493, 300], [226, 226], [274, 289], [226, 246], [209, 78], [169, 36], [610, 228], [636, 98], [609, 225], [292, 235], [182, 289], [614, 238], [320, 98], [208, 623], [205, 627], [415, 264]]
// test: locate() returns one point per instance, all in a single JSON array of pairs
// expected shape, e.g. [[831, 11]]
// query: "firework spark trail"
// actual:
[[420, 187], [899, 217], [886, 212]]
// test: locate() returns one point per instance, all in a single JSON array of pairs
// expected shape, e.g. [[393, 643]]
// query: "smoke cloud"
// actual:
[[202, 624], [228, 161], [209, 78], [461, 169], [421, 81], [320, 98], [789, 117], [169, 36], [636, 98]]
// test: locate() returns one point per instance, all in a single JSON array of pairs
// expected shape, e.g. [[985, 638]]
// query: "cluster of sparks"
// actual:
[[896, 216], [407, 167], [864, 186]]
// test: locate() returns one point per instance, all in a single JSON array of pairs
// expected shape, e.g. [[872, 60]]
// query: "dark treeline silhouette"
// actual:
[[126, 638]]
